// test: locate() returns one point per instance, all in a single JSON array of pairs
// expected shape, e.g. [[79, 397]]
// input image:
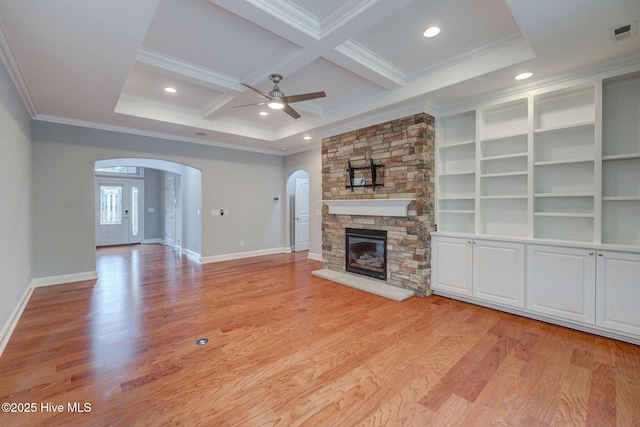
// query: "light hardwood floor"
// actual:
[[287, 348]]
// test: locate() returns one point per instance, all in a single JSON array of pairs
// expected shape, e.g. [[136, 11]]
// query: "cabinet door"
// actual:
[[498, 272], [561, 283], [451, 265], [618, 292]]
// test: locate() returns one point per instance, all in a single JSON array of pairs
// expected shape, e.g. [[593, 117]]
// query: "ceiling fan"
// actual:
[[278, 101]]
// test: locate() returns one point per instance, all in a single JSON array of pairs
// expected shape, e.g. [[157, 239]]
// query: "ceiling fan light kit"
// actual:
[[277, 100]]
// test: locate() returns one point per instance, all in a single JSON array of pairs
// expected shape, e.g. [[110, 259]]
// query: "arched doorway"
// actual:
[[169, 217]]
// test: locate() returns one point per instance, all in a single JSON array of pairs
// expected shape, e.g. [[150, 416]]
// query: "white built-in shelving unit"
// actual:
[[457, 173], [538, 205], [621, 161], [503, 162], [564, 164]]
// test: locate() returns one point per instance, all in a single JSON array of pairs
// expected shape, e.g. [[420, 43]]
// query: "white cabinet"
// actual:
[[498, 272], [618, 291], [452, 268], [487, 270], [561, 282]]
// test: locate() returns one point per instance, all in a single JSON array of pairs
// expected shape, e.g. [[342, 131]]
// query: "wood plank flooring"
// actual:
[[289, 349]]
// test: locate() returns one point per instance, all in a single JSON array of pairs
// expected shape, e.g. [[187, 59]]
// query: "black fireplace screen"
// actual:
[[366, 252]]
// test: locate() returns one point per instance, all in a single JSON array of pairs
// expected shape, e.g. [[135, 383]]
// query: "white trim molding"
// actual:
[[248, 254], [371, 207], [8, 328], [64, 278]]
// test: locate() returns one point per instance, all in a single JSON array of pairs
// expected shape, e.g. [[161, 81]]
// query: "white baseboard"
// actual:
[[64, 278], [152, 241], [314, 256], [240, 255], [8, 328], [193, 256]]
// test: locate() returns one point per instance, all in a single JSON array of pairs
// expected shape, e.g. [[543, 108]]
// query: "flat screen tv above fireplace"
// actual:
[[366, 252]]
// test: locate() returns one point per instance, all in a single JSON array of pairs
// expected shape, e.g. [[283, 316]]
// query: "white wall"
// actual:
[[311, 162], [16, 195], [63, 161]]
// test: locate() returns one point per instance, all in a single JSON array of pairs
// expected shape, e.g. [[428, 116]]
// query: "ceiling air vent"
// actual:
[[624, 31]]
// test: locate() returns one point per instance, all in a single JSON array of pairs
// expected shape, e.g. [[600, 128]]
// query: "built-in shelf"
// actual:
[[620, 198], [564, 195], [565, 127], [496, 175], [516, 196], [566, 214], [457, 211], [502, 137], [458, 173], [504, 156], [564, 161], [622, 156], [458, 144], [461, 197], [370, 207]]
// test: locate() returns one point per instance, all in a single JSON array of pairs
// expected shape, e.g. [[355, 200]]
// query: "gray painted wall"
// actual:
[[63, 161], [153, 188], [16, 195]]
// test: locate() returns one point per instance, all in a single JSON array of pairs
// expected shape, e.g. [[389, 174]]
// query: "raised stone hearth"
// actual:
[[402, 206], [368, 285]]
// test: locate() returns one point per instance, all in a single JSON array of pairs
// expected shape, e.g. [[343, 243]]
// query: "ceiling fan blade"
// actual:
[[304, 97], [290, 111], [256, 90], [249, 105]]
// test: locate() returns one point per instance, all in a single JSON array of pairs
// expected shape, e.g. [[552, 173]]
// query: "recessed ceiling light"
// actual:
[[170, 89], [263, 113], [431, 32], [307, 137], [523, 76]]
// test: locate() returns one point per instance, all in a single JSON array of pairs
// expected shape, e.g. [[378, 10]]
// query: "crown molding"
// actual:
[[342, 15], [375, 119], [363, 56], [467, 55], [11, 64], [190, 71], [139, 132], [291, 14], [602, 70]]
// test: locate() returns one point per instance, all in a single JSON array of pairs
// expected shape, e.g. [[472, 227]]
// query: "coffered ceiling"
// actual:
[[105, 64]]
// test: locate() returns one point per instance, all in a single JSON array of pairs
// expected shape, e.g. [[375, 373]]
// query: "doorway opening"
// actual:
[[298, 198]]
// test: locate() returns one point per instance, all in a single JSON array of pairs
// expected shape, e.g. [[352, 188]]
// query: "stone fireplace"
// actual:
[[401, 206]]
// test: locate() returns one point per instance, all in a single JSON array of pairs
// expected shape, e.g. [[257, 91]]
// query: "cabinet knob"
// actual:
[[590, 253], [469, 241], [599, 253]]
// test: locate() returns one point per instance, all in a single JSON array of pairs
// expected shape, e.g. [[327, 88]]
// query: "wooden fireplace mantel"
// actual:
[[372, 207]]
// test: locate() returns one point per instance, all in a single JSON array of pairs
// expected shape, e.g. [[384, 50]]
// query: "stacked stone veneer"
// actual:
[[406, 149]]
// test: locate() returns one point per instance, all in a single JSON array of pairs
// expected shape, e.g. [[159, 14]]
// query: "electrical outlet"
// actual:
[[241, 242]]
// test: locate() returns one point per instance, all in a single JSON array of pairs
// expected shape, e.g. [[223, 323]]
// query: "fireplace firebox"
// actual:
[[366, 252]]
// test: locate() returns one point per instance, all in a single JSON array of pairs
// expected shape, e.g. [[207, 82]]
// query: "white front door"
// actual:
[[170, 212], [302, 215], [118, 218]]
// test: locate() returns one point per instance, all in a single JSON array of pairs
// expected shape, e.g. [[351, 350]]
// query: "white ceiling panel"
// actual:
[[105, 64], [466, 25]]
